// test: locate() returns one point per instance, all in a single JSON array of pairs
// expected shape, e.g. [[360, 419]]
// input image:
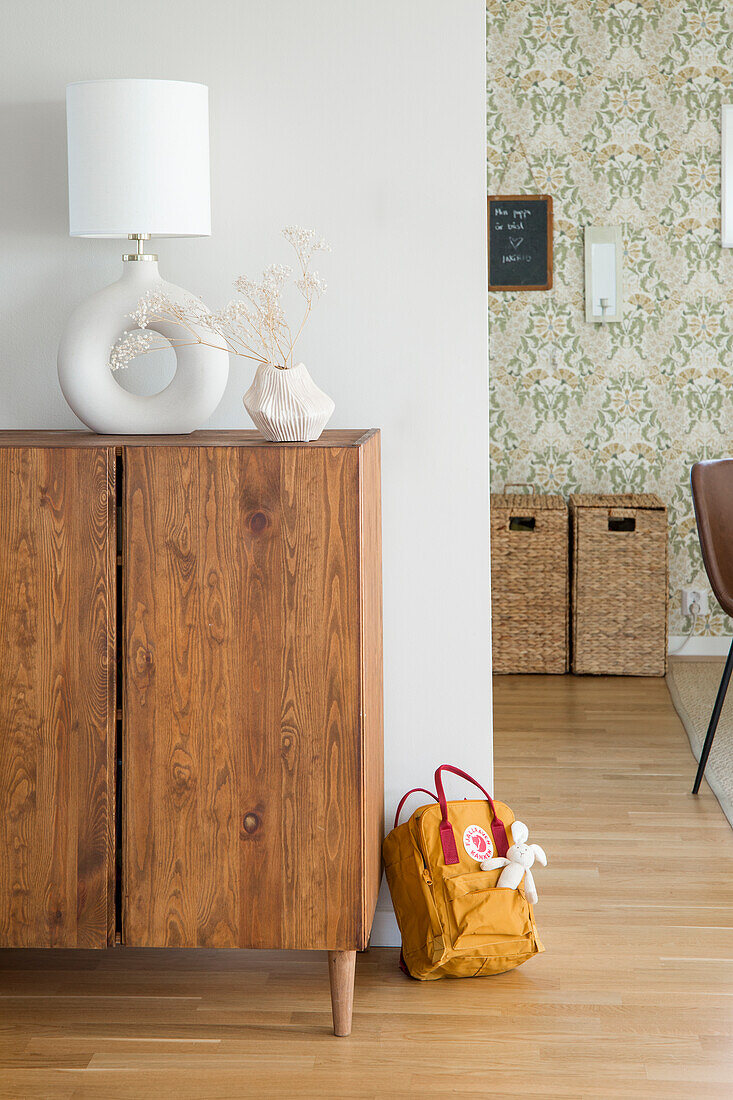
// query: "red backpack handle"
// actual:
[[447, 836], [406, 796]]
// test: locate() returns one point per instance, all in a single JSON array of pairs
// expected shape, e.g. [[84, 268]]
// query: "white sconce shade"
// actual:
[[603, 273], [138, 158], [726, 174]]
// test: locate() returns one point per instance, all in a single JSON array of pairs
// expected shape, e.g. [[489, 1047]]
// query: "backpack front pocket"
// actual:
[[487, 916]]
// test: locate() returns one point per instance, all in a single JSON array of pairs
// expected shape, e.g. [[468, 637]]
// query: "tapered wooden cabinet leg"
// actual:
[[341, 969]]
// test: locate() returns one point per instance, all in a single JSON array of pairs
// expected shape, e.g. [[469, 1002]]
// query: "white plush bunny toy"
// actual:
[[517, 863]]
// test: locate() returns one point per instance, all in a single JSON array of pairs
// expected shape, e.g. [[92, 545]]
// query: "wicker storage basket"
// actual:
[[619, 584], [529, 583]]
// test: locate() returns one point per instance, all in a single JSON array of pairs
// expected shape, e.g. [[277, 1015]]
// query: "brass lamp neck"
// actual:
[[139, 255]]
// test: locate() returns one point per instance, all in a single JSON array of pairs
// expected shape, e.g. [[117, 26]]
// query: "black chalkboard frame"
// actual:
[[547, 285]]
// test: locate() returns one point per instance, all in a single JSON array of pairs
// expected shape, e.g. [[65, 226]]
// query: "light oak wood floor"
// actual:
[[633, 997]]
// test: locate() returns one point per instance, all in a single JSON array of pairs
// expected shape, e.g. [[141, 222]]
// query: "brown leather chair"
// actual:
[[712, 496]]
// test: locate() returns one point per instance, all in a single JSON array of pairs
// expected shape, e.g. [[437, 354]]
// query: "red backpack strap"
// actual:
[[402, 964], [406, 796], [447, 837]]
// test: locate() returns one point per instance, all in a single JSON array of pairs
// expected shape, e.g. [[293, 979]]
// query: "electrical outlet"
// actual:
[[696, 596]]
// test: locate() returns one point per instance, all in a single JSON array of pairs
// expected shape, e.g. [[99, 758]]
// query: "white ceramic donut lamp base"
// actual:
[[286, 405], [91, 388]]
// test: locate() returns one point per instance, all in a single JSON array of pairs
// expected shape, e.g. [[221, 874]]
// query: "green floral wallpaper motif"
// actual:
[[617, 103]]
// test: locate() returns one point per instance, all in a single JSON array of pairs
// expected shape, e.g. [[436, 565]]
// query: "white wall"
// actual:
[[365, 120]]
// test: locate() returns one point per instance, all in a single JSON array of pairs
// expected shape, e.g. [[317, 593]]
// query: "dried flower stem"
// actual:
[[253, 326]]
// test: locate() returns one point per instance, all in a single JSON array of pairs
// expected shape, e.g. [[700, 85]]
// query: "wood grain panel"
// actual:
[[243, 786], [372, 708], [254, 673], [57, 598], [332, 437], [321, 795]]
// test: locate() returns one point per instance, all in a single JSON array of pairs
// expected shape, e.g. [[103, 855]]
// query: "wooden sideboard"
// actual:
[[191, 693]]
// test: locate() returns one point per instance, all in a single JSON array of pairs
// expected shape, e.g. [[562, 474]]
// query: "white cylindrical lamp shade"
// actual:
[[138, 158]]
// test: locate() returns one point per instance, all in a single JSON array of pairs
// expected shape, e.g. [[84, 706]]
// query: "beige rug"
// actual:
[[693, 686]]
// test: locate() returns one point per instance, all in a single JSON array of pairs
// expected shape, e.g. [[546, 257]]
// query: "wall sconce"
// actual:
[[726, 175], [603, 267]]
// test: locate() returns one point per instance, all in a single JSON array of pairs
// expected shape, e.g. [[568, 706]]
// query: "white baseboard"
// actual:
[[385, 932], [701, 645]]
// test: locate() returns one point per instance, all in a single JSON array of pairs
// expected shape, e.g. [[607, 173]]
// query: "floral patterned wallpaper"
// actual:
[[617, 105]]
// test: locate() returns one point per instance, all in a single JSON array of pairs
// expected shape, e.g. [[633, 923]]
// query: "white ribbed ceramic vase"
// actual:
[[286, 405]]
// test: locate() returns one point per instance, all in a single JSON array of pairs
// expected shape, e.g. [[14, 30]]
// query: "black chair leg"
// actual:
[[714, 717]]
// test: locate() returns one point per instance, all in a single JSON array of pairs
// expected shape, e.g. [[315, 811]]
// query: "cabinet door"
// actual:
[[57, 606], [241, 732]]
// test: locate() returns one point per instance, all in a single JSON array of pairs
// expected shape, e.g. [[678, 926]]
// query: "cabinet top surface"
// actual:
[[334, 437]]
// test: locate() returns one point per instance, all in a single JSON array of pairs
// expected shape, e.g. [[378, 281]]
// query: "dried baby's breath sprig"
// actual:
[[131, 345], [253, 326]]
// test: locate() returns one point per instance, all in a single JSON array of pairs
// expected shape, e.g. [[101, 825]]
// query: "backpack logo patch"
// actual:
[[477, 843]]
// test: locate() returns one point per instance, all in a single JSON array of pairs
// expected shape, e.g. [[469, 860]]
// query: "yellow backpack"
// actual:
[[453, 918]]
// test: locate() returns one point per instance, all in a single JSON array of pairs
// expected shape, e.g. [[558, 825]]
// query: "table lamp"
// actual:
[[138, 168]]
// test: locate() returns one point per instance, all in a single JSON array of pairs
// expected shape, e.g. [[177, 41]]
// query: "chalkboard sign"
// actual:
[[520, 242]]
